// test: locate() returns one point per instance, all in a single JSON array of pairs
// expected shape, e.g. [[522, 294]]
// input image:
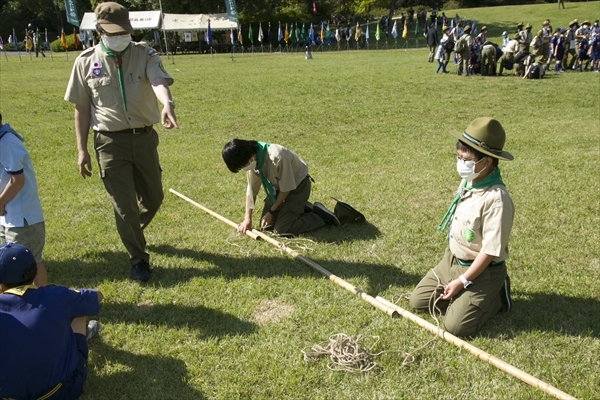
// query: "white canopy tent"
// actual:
[[139, 20], [171, 22], [197, 22]]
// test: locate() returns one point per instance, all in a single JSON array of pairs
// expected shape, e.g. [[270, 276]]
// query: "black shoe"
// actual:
[[325, 214], [141, 272], [505, 295]]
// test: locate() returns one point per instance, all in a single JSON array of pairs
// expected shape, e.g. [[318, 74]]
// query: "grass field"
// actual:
[[225, 317]]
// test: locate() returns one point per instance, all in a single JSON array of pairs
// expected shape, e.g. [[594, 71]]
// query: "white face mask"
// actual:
[[250, 166], [117, 43], [466, 169]]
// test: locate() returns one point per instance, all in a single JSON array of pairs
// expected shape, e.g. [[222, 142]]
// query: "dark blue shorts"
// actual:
[[72, 385]]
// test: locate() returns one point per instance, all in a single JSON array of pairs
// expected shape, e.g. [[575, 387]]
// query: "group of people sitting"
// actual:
[[528, 55]]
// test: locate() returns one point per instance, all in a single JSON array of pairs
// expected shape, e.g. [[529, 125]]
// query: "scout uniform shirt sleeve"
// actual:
[[289, 169], [155, 68], [78, 91], [497, 221], [254, 184]]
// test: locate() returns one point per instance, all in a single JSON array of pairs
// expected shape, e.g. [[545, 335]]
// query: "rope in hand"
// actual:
[[346, 354]]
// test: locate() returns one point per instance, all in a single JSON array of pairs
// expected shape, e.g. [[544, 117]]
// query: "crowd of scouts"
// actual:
[[524, 52], [44, 329]]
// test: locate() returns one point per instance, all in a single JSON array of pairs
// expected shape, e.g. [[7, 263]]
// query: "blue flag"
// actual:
[[279, 34], [208, 36], [15, 41]]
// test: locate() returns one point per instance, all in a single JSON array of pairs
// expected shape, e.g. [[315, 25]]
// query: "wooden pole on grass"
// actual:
[[496, 362], [393, 310], [254, 234]]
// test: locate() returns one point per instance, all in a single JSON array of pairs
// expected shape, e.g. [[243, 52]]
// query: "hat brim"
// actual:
[[116, 28], [505, 155]]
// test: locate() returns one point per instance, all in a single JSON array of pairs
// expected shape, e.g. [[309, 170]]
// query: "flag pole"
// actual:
[[162, 18]]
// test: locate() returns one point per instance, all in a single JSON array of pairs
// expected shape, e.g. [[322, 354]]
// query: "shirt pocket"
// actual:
[[104, 95], [467, 230]]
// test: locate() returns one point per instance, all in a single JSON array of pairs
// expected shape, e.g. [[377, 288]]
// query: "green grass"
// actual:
[[373, 127]]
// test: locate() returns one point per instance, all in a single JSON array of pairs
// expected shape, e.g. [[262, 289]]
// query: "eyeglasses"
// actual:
[[465, 160]]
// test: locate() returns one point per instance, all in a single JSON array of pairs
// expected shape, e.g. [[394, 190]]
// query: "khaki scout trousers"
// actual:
[[488, 60], [472, 307], [291, 218], [463, 60], [131, 173]]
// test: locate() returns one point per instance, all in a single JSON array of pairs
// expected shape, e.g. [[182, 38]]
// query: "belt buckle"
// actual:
[[136, 131]]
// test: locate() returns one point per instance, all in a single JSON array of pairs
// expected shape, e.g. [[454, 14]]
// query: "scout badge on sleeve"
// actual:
[[345, 213]]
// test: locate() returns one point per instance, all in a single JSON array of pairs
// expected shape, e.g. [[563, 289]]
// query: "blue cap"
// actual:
[[14, 259]]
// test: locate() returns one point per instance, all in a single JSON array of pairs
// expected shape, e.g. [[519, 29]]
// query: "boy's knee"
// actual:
[[458, 327], [417, 302]]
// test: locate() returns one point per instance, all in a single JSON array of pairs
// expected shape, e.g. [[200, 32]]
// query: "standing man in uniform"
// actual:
[[570, 45], [432, 41], [114, 86], [463, 53]]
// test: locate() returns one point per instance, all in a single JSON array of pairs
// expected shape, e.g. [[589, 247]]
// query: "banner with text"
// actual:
[[231, 10], [71, 10]]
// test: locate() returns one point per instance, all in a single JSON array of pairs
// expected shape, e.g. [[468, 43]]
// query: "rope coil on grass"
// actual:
[[346, 354]]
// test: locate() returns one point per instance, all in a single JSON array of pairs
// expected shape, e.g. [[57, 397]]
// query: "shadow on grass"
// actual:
[[134, 376], [547, 312], [208, 322], [380, 277], [344, 233]]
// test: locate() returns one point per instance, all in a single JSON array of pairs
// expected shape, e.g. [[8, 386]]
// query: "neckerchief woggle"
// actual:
[[260, 160], [6, 128], [492, 179], [119, 68]]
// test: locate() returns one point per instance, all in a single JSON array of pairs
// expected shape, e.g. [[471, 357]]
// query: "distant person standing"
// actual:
[[561, 3], [432, 41], [114, 86], [462, 49], [38, 44]]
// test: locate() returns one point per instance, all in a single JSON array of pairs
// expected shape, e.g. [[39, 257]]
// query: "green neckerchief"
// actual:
[[119, 63], [260, 160], [492, 179]]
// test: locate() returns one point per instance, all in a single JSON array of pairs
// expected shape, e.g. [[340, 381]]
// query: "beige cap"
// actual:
[[113, 17]]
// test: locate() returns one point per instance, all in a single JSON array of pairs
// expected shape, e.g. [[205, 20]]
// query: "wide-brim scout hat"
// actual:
[[445, 28], [528, 26], [572, 23], [504, 33], [467, 29], [483, 28], [487, 136], [586, 22], [113, 17], [345, 213], [14, 259], [520, 25]]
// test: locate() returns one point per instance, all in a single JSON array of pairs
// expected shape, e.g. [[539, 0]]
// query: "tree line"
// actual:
[[50, 14]]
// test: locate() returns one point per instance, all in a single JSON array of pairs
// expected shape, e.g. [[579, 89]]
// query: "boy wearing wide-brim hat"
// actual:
[[470, 282]]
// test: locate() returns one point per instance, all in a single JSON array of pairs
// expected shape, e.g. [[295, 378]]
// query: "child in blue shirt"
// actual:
[[21, 218], [42, 331]]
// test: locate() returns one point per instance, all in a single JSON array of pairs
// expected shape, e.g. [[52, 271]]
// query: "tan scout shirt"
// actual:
[[482, 223], [94, 82], [284, 169]]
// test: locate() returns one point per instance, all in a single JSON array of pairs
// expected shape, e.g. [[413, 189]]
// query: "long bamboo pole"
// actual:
[[393, 310], [254, 234], [496, 362]]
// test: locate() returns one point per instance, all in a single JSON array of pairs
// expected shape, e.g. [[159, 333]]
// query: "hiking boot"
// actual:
[[92, 329], [505, 295], [141, 272], [325, 214]]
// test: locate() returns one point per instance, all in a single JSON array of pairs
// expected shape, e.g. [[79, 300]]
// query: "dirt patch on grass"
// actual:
[[273, 311]]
